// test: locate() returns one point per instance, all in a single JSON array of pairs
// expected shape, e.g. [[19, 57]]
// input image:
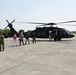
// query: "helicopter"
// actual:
[[44, 30]]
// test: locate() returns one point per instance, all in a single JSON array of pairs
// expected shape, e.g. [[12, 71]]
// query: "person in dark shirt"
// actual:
[[33, 38]]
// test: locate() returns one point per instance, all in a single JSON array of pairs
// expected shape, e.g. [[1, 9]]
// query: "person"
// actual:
[[14, 40], [21, 39], [33, 38], [50, 35], [1, 41], [27, 38]]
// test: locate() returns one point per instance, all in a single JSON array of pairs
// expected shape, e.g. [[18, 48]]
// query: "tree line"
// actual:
[[7, 32]]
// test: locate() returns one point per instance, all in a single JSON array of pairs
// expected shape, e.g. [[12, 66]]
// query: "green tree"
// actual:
[[21, 30], [6, 31], [1, 30]]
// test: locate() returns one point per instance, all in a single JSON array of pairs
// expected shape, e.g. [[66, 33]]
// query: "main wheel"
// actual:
[[59, 39], [55, 39]]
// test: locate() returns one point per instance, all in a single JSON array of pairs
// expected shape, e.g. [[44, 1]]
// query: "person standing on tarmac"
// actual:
[[21, 39], [33, 38], [27, 38], [1, 42], [14, 40], [50, 35]]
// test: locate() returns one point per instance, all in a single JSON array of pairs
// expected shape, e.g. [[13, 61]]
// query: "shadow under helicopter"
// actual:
[[65, 41]]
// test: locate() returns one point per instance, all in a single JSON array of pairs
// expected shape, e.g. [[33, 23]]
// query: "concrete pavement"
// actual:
[[42, 58]]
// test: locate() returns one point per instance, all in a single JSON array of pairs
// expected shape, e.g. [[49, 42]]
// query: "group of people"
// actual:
[[21, 39]]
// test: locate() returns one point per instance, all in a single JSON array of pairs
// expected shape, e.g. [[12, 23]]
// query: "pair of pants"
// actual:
[[14, 42], [20, 42], [27, 40], [2, 44], [34, 40]]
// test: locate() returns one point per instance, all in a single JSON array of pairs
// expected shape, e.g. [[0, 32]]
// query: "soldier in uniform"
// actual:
[[27, 38], [1, 42]]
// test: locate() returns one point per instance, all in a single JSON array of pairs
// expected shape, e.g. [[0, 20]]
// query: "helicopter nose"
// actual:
[[72, 35]]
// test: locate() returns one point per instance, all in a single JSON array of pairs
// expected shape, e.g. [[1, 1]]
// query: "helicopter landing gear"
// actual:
[[57, 39]]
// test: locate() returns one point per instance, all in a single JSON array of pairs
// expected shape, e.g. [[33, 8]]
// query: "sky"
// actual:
[[43, 11]]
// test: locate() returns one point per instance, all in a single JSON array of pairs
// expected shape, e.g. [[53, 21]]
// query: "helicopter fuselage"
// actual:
[[56, 33]]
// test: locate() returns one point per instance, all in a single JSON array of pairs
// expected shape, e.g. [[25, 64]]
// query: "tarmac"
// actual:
[[42, 58]]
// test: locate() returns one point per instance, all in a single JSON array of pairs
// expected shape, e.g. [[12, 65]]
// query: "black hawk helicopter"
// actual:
[[44, 32], [48, 29]]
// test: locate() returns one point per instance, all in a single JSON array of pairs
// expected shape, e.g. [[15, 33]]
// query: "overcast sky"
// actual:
[[37, 11]]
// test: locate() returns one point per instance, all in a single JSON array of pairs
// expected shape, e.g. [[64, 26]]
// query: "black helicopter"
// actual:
[[48, 29], [45, 31]]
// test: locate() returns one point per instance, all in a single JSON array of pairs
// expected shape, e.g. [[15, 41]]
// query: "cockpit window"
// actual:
[[68, 32]]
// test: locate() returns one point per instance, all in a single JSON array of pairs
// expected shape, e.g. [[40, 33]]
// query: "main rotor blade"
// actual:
[[7, 21], [13, 21], [67, 22], [31, 22], [42, 24], [51, 23]]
